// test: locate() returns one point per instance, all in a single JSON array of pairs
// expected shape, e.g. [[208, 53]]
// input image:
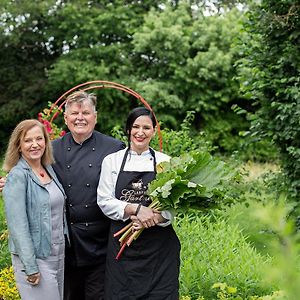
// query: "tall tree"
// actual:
[[47, 47], [23, 59], [186, 62], [178, 58]]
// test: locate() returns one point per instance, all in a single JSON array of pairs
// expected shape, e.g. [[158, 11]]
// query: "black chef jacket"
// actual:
[[78, 168]]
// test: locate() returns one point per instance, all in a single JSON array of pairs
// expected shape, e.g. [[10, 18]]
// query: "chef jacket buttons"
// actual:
[[86, 224], [70, 204], [69, 185], [90, 165], [69, 148], [93, 149], [68, 166], [71, 223], [87, 184], [86, 206]]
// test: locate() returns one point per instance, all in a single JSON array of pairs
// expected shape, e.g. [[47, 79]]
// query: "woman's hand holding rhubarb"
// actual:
[[147, 217], [136, 224]]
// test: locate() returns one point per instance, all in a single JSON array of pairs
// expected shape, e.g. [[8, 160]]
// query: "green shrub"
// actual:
[[266, 220], [214, 251], [281, 242], [269, 76], [254, 195], [256, 233], [185, 139], [259, 190], [8, 289], [224, 292]]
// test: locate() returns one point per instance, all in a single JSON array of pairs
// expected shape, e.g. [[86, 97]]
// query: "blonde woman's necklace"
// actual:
[[40, 172]]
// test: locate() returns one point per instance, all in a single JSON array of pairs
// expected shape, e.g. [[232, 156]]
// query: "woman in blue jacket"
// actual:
[[34, 205]]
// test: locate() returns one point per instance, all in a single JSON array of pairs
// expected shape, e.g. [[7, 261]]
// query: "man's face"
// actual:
[[81, 119]]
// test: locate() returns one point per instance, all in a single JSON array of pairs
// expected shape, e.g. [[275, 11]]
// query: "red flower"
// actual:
[[62, 133], [40, 117], [48, 126], [45, 116]]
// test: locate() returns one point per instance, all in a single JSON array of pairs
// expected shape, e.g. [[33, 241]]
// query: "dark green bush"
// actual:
[[269, 75]]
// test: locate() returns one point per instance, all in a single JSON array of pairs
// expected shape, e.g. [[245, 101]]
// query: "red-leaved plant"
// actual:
[[47, 116]]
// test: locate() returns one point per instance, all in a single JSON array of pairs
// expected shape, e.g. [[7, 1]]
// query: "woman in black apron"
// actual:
[[149, 268]]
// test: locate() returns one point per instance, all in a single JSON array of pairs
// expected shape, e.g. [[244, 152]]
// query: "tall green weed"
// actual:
[[254, 195], [214, 251], [265, 217], [272, 226]]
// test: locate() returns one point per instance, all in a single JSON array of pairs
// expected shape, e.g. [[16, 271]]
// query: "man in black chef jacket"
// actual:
[[78, 157]]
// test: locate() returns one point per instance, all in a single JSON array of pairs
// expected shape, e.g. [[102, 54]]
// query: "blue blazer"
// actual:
[[28, 214]]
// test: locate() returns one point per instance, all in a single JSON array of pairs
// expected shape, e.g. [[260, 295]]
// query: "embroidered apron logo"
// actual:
[[136, 193]]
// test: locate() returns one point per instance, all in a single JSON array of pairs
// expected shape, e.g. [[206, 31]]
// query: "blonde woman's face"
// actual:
[[33, 144]]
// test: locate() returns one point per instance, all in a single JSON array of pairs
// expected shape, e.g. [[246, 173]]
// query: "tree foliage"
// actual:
[[270, 75], [23, 59], [50, 46], [171, 52]]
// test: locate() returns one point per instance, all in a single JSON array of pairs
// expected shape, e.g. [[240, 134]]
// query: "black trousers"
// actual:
[[84, 283]]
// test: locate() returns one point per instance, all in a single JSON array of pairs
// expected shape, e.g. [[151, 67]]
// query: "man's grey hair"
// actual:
[[79, 97]]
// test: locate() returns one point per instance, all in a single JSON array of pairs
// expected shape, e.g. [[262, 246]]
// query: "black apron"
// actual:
[[149, 268]]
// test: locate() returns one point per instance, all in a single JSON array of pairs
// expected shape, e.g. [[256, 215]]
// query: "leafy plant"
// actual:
[[214, 251], [185, 138], [285, 268], [47, 117], [269, 76], [8, 289], [192, 180]]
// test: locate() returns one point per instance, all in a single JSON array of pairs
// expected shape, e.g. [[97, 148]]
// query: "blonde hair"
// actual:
[[13, 152], [79, 97]]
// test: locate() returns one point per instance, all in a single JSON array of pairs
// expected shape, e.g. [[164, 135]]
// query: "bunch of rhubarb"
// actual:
[[194, 180]]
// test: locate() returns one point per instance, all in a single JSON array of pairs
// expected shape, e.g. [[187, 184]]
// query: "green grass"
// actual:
[[228, 248]]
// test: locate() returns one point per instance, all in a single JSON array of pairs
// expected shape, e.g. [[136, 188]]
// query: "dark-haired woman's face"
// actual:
[[141, 134]]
